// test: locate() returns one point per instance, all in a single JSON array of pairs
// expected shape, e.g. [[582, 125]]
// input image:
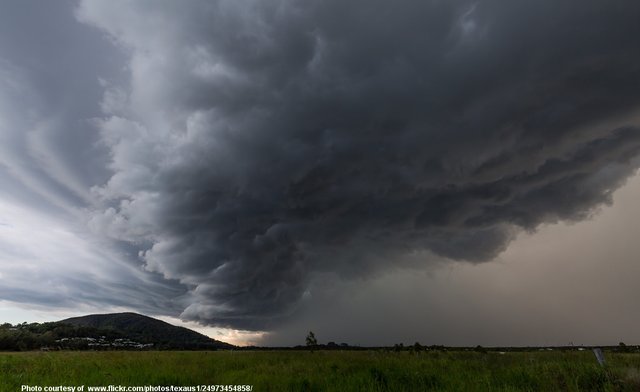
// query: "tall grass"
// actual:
[[328, 370]]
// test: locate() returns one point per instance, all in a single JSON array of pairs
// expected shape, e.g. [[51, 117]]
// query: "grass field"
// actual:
[[327, 370]]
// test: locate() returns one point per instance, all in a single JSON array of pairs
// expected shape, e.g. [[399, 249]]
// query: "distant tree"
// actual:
[[311, 339], [623, 347]]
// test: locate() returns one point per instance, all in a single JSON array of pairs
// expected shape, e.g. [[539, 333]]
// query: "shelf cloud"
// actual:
[[257, 144], [245, 148]]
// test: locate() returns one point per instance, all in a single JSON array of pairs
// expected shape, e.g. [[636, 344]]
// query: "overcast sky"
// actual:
[[449, 172]]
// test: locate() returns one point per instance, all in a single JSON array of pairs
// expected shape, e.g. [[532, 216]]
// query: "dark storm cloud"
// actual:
[[258, 144]]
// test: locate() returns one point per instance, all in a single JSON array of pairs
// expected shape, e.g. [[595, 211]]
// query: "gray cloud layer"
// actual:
[[241, 150], [50, 157], [258, 144]]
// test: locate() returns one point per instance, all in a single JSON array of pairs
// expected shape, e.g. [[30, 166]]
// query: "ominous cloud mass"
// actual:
[[258, 143], [238, 150]]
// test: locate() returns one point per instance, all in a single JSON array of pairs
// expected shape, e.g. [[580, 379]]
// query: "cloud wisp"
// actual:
[[50, 157]]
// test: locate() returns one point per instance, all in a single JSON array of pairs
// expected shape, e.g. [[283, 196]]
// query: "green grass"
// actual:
[[328, 370]]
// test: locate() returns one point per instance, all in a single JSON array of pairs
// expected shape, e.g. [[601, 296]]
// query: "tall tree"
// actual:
[[311, 339]]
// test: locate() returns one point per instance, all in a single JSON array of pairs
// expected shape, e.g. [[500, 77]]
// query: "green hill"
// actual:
[[147, 330]]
